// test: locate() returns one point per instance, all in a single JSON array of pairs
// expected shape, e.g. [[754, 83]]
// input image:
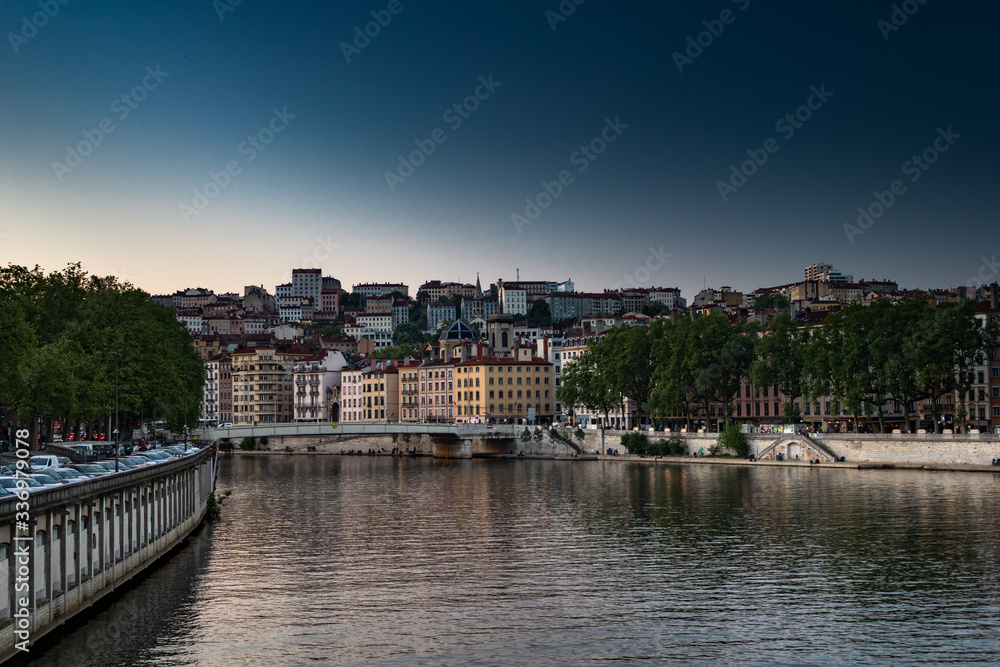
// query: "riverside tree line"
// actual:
[[861, 357], [57, 333]]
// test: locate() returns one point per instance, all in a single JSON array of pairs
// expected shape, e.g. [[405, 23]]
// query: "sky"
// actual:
[[729, 142]]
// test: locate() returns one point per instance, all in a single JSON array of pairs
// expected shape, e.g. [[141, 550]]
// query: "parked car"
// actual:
[[44, 461], [67, 474], [90, 469], [109, 465], [12, 483], [47, 481], [136, 461]]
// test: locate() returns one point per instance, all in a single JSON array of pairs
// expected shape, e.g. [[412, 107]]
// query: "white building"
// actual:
[[514, 301], [375, 321], [317, 385], [210, 396], [668, 296], [400, 312], [438, 314]]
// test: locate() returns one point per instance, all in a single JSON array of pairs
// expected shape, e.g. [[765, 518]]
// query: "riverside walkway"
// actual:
[[64, 549]]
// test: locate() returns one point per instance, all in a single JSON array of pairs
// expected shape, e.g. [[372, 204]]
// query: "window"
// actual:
[[766, 406]]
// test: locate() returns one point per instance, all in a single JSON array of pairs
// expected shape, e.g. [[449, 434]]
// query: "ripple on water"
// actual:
[[343, 560]]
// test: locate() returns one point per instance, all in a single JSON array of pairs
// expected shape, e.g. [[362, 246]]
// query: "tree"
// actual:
[[408, 334], [539, 314], [781, 359], [395, 352], [655, 309], [733, 438], [352, 300], [770, 301], [627, 351]]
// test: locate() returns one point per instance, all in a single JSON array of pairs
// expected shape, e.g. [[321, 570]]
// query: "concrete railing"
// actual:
[[65, 548]]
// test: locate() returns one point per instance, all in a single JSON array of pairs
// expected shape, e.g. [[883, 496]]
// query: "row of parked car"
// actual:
[[48, 471]]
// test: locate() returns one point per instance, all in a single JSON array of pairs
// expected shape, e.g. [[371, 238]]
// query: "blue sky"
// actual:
[[246, 144]]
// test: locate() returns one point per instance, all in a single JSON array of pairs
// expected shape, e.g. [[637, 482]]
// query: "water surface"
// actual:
[[345, 560]]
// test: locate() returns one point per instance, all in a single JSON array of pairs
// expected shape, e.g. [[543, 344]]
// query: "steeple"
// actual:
[[479, 287]]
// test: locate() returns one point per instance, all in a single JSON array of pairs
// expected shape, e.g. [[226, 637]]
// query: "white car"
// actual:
[[46, 461], [15, 484]]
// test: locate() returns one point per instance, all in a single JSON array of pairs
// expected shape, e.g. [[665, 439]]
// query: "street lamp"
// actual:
[[185, 377], [116, 355]]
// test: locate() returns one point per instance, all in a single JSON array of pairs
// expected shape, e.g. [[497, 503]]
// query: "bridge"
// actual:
[[387, 429], [459, 440]]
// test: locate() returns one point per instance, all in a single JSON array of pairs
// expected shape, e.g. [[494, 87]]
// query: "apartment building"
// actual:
[[436, 391], [262, 384], [317, 383], [505, 388]]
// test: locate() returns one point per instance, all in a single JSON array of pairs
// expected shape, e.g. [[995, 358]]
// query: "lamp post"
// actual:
[[116, 355], [185, 377]]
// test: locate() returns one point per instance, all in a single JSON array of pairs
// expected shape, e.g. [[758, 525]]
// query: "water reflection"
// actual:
[[342, 560]]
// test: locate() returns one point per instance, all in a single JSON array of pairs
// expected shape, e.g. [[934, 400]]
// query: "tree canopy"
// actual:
[[59, 332]]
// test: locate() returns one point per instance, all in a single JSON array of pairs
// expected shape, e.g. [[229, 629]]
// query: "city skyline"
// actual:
[[229, 143]]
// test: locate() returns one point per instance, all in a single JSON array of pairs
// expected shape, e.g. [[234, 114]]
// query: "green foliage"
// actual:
[[579, 434], [732, 438], [406, 437], [638, 444], [394, 352], [408, 334], [394, 437], [352, 300], [538, 435], [263, 441], [526, 435], [248, 444], [655, 309], [331, 330], [539, 314], [59, 330], [770, 301], [553, 434], [635, 443]]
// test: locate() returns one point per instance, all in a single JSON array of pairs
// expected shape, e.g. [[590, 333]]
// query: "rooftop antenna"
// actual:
[[518, 275]]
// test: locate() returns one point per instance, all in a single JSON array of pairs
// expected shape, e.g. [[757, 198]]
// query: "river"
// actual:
[[334, 560]]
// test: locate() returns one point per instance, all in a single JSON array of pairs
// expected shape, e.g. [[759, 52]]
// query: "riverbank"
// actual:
[[682, 460]]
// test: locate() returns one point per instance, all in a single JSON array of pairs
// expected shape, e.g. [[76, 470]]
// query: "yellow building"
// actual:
[[492, 388], [372, 393]]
